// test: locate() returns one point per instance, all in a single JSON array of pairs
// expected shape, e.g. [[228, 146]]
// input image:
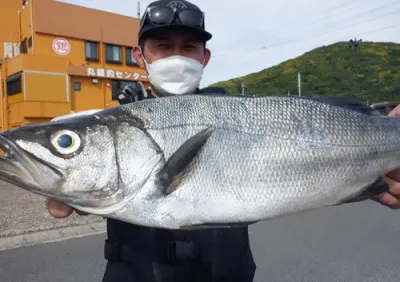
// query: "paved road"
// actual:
[[358, 242], [23, 212]]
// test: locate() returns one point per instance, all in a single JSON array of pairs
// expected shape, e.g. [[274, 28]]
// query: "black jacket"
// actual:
[[143, 254]]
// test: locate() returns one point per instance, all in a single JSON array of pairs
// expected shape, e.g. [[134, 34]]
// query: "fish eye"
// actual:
[[66, 142]]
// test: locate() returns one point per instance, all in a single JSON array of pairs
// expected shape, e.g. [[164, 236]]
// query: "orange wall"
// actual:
[[46, 86], [54, 17], [9, 23], [13, 66], [15, 114], [91, 96], [38, 63], [3, 104], [49, 88], [44, 47], [16, 98], [26, 24], [24, 112]]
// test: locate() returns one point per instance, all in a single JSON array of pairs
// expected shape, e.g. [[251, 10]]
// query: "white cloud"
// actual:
[[250, 35]]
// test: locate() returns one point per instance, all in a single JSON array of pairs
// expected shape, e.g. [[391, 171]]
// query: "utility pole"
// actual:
[[355, 44], [299, 83], [138, 9]]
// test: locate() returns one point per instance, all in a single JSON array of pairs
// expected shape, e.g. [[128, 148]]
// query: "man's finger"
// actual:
[[58, 209], [393, 176], [388, 200], [394, 185], [395, 112]]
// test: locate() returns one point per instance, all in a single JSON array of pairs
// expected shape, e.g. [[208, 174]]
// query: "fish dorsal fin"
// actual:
[[349, 103], [181, 162]]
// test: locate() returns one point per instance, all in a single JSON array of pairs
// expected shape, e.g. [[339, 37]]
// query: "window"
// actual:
[[77, 86], [30, 42], [14, 84], [91, 50], [118, 85], [113, 54], [23, 48], [130, 60]]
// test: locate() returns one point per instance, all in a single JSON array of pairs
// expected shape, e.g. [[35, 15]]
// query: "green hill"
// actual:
[[370, 73]]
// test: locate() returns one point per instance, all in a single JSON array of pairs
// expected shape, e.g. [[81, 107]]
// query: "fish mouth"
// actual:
[[21, 169], [24, 170]]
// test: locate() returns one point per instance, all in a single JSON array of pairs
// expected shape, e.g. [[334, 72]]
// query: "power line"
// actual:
[[318, 13], [355, 24], [357, 35], [351, 16], [379, 29], [315, 35]]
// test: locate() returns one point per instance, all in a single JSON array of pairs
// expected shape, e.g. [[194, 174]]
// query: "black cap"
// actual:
[[147, 26]]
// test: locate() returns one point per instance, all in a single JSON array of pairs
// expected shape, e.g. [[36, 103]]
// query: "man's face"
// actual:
[[171, 43]]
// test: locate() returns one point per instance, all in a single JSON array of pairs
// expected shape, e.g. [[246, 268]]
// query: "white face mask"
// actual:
[[175, 75]]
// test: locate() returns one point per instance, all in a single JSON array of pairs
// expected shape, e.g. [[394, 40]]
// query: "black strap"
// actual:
[[172, 252], [181, 251], [177, 258], [113, 253], [140, 265]]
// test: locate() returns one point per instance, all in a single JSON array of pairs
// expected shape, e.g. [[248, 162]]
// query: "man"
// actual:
[[172, 49]]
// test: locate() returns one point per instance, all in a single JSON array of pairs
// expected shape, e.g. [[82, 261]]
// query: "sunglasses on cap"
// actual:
[[159, 16]]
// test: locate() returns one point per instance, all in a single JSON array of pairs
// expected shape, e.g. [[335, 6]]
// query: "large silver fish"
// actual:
[[196, 161]]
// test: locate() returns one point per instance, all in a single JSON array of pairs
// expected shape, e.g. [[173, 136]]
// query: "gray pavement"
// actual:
[[75, 260], [357, 242], [24, 218]]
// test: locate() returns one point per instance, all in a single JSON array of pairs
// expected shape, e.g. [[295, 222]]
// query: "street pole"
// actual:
[[299, 83], [355, 44], [138, 9]]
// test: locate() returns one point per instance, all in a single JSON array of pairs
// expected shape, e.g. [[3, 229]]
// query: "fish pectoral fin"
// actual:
[[182, 161], [376, 188]]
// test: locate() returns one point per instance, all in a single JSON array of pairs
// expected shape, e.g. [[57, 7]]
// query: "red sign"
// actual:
[[61, 46]]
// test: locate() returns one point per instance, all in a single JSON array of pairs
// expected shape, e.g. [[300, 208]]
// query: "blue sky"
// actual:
[[250, 35]]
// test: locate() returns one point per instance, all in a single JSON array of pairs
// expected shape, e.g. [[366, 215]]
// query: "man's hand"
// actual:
[[392, 197], [60, 210]]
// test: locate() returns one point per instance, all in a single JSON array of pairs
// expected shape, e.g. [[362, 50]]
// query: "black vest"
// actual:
[[143, 254]]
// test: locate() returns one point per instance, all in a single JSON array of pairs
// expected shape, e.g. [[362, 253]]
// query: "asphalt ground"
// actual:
[[354, 242], [24, 220]]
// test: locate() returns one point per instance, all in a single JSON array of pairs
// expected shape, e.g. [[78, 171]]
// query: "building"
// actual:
[[56, 58]]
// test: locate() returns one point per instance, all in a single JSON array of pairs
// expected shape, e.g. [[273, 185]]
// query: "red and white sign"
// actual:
[[61, 46]]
